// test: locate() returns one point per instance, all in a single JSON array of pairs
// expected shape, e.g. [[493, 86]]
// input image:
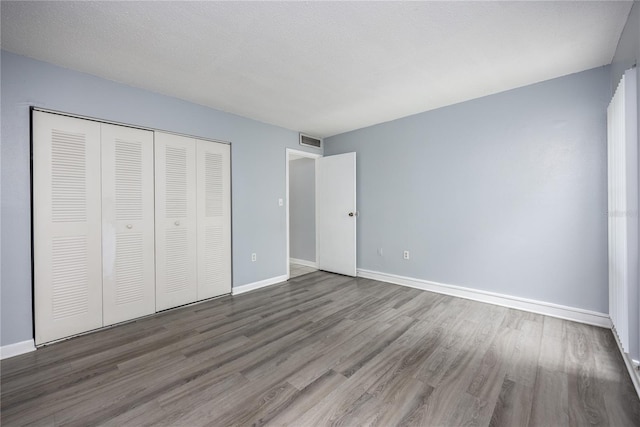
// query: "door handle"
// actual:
[[351, 214], [177, 223]]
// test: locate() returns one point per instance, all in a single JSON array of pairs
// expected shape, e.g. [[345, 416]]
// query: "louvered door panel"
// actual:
[[66, 224], [175, 170], [214, 219], [127, 223]]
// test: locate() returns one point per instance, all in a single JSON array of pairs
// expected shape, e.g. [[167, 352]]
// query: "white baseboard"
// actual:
[[236, 290], [7, 351], [303, 262], [534, 306]]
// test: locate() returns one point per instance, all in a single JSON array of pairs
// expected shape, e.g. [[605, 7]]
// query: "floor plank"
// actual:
[[324, 349]]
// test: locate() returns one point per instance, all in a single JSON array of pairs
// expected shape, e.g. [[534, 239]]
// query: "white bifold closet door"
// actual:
[[66, 222], [214, 218], [126, 222], [128, 246], [176, 226]]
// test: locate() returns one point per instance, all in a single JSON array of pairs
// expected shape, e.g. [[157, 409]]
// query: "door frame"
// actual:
[[292, 154]]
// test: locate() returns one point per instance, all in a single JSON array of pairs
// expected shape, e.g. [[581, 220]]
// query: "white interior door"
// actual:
[[176, 238], [66, 223], [336, 219], [128, 248], [214, 218]]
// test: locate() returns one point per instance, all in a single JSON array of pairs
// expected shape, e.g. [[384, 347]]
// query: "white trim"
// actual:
[[534, 306], [304, 262], [236, 290], [631, 364], [289, 153], [7, 351], [317, 211]]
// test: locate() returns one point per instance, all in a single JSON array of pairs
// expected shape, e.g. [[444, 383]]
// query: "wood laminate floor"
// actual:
[[296, 270], [324, 349]]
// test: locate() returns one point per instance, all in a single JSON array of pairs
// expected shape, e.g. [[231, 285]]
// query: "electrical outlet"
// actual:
[[406, 255], [253, 257], [380, 251]]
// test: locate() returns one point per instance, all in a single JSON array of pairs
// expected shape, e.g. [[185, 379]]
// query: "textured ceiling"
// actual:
[[319, 67]]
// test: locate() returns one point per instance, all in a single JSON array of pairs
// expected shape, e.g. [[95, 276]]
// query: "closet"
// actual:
[[126, 222], [175, 221], [67, 227], [128, 282], [193, 218]]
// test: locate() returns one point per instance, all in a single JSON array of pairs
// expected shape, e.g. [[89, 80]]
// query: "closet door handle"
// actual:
[[129, 226], [177, 223]]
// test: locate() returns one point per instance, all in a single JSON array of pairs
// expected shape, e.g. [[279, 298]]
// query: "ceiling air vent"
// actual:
[[310, 141]]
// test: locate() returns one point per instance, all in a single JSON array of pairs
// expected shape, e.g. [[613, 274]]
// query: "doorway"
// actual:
[[301, 212]]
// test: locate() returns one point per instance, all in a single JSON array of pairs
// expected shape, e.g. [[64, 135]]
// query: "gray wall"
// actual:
[[302, 209], [258, 170], [505, 193], [627, 55]]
